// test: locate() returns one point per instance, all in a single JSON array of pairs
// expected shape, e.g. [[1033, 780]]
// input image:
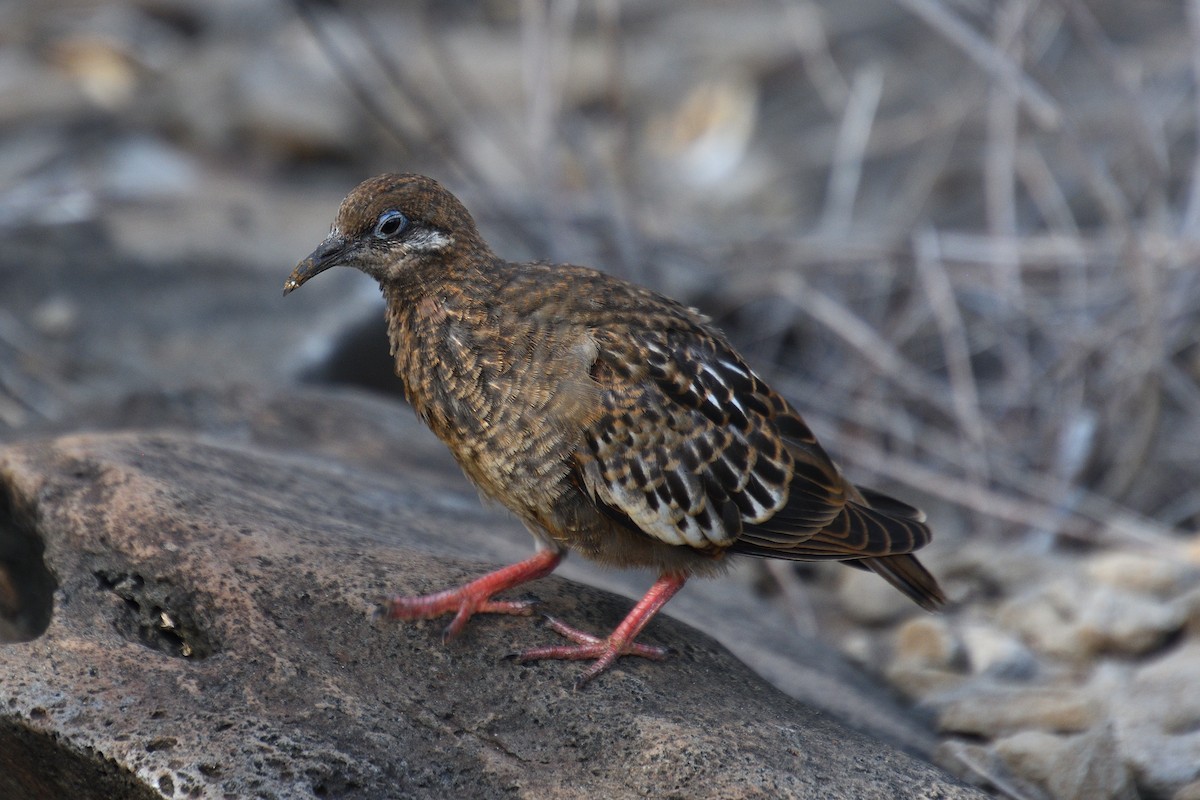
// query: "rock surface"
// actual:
[[210, 636]]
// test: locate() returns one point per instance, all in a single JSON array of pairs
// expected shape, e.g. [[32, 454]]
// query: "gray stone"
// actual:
[[1073, 618], [996, 710], [926, 658], [920, 683], [1157, 720], [1139, 572], [992, 651], [1086, 766], [146, 169], [927, 641]]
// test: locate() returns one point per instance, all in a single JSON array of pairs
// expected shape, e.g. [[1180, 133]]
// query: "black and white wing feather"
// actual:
[[696, 450]]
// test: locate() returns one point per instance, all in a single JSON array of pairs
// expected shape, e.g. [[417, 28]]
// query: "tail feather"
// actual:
[[872, 531], [890, 505], [908, 575]]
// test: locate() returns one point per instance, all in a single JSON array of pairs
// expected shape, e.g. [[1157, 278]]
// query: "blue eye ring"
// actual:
[[390, 224]]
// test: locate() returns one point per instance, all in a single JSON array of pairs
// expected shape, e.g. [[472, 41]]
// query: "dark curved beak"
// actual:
[[329, 253]]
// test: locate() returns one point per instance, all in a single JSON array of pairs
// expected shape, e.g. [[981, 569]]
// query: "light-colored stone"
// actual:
[[1126, 622], [919, 683], [1138, 572], [997, 710], [926, 642], [926, 658], [860, 647], [146, 169], [1191, 549], [704, 140], [968, 760], [995, 652], [980, 765], [1157, 720], [57, 317], [104, 70], [1070, 618], [1188, 605], [1109, 679], [1085, 766], [1044, 617]]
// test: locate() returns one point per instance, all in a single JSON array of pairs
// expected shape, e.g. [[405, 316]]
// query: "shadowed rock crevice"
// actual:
[[26, 586], [34, 764]]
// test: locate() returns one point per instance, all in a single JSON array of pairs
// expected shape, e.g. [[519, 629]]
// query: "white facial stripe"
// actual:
[[426, 240]]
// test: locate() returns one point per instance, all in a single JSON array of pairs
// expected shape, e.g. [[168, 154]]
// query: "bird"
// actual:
[[614, 422]]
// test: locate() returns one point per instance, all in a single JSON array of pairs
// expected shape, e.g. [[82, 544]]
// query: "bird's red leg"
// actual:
[[620, 642], [476, 596]]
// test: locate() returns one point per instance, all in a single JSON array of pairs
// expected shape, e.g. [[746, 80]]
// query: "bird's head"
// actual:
[[390, 224]]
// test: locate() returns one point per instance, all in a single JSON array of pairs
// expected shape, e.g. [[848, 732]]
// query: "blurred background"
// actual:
[[960, 235]]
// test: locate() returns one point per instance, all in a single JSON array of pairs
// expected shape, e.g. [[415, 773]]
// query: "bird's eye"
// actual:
[[390, 223]]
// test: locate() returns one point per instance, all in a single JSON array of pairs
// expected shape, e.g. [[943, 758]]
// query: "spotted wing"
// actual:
[[696, 450]]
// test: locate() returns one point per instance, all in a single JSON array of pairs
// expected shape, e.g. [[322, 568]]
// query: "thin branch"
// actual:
[[866, 341], [850, 144], [963, 388], [307, 11], [1040, 105], [1190, 226], [804, 20]]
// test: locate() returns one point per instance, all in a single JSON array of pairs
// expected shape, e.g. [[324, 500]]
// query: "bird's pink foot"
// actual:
[[476, 596], [464, 602], [619, 643], [604, 651]]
